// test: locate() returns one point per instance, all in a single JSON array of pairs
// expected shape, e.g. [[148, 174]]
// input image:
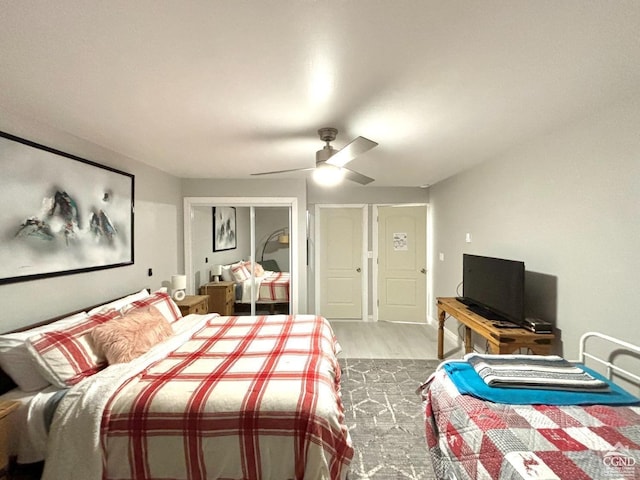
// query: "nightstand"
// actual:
[[6, 408], [222, 297], [194, 304]]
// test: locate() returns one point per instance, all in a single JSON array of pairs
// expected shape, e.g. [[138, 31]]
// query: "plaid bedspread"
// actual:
[[472, 439], [244, 398], [275, 287]]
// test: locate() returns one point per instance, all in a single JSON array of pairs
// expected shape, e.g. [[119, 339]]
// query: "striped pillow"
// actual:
[[160, 300], [66, 356], [240, 272]]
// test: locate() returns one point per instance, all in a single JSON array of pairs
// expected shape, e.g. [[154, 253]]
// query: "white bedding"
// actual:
[[272, 287], [276, 389], [246, 287], [74, 441]]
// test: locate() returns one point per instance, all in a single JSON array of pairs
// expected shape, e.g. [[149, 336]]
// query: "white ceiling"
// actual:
[[222, 89]]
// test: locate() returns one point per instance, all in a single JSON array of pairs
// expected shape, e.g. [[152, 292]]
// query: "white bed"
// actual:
[[268, 288], [215, 397]]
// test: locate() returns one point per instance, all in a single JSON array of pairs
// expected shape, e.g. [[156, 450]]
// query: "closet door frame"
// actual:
[[290, 202]]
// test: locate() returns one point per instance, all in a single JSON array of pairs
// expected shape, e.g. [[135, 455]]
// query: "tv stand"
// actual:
[[499, 338]]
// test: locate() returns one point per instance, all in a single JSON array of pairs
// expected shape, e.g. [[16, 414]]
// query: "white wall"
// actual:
[[568, 205], [157, 233]]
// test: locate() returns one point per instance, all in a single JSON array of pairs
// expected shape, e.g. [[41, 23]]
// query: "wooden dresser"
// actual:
[[221, 297], [194, 304]]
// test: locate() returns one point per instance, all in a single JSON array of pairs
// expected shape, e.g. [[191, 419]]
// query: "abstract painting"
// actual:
[[60, 214], [224, 228]]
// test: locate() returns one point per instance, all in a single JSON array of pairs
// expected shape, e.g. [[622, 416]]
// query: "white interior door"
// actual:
[[340, 262], [402, 264]]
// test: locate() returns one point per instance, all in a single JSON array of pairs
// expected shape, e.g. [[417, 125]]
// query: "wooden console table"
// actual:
[[501, 340]]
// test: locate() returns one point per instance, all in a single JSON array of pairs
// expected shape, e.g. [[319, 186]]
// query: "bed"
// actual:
[[214, 397], [476, 428], [271, 287]]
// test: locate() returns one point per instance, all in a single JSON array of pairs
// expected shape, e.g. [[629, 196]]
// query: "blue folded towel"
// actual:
[[467, 380]]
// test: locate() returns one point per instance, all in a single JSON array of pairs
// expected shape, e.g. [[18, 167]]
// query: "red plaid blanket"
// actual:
[[469, 438], [243, 398], [275, 287]]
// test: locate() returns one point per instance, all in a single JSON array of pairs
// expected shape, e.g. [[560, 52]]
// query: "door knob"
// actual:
[[422, 270], [358, 269]]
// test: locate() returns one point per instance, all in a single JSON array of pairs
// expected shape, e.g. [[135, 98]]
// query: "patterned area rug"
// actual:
[[385, 418]]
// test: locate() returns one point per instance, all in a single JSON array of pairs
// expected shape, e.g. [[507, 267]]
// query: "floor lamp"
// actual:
[[282, 236]]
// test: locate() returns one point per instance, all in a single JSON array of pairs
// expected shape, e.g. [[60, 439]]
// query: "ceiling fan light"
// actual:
[[328, 175]]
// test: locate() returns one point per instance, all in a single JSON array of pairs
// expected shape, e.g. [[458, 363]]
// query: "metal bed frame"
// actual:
[[611, 368]]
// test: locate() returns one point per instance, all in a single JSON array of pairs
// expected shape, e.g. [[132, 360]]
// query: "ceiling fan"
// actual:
[[330, 162]]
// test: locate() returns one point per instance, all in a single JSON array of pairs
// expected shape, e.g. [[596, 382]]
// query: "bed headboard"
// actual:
[[6, 383]]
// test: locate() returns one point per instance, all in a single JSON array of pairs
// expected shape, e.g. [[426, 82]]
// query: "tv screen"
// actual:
[[495, 285]]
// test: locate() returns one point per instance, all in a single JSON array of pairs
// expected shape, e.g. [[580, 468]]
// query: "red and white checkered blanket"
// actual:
[[275, 287], [241, 398], [472, 439]]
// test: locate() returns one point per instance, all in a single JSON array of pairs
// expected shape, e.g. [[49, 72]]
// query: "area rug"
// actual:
[[385, 418]]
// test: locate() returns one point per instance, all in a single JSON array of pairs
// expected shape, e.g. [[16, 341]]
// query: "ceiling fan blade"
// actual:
[[351, 151], [284, 171], [356, 177]]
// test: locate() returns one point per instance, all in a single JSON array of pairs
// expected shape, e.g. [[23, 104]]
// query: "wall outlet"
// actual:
[[441, 256]]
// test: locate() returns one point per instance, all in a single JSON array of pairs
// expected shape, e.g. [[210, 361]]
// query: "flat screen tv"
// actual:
[[494, 287]]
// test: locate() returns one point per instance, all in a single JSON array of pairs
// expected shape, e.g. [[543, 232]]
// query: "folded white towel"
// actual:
[[533, 371]]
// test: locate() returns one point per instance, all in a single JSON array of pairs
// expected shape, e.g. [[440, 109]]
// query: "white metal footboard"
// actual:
[[611, 368]]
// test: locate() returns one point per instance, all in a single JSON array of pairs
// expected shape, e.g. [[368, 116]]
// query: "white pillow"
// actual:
[[16, 360], [226, 273], [65, 356], [240, 272], [162, 301], [121, 302]]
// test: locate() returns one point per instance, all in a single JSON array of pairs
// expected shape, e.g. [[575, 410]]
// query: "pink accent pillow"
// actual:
[[127, 337], [258, 271]]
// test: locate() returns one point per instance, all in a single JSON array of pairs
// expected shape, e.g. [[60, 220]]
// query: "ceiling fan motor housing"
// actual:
[[327, 134], [325, 154]]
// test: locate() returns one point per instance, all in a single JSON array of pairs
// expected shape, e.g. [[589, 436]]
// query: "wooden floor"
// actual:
[[390, 340]]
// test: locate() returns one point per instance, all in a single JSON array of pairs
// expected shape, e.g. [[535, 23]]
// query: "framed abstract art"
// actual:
[[61, 214]]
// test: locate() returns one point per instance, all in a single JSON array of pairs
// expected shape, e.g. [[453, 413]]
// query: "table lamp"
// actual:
[[216, 271], [178, 287]]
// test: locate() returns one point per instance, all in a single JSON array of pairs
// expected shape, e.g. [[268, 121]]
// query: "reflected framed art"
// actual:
[[224, 228]]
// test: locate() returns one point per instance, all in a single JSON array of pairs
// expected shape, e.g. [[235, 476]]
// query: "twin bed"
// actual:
[[217, 397], [532, 431]]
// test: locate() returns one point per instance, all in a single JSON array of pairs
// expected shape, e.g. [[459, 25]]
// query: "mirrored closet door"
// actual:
[[240, 255]]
